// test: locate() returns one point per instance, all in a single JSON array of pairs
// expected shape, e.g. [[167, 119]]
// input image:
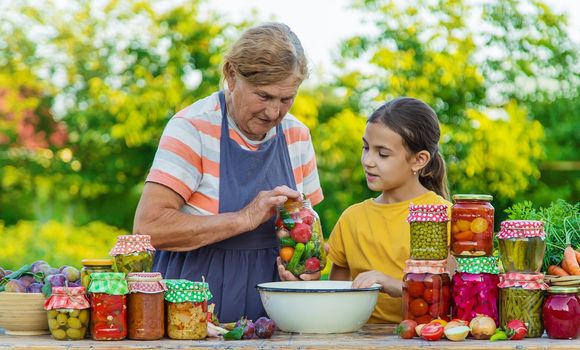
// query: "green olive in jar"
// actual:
[[73, 333], [52, 313], [59, 334], [74, 322], [53, 323], [62, 319], [84, 316]]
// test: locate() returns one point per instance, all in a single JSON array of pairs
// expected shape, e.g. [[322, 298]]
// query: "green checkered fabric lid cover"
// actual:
[[112, 283], [179, 291], [482, 264]]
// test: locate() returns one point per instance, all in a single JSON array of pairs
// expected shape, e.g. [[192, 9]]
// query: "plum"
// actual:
[[26, 280], [265, 327], [34, 288], [249, 329], [71, 273], [40, 266], [74, 284], [15, 286], [51, 271], [57, 280]]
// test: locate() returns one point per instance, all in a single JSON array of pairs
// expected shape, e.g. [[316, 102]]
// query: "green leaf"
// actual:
[[234, 334]]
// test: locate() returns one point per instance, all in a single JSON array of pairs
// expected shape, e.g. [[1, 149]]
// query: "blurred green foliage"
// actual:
[[82, 106]]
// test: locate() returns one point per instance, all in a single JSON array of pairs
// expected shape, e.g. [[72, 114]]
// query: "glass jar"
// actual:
[[426, 291], [428, 225], [522, 245], [94, 265], [133, 253], [472, 225], [521, 297], [475, 288], [187, 309], [68, 313], [300, 236], [108, 306], [561, 313], [146, 306]]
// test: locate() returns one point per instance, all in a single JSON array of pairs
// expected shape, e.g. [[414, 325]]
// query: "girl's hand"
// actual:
[[286, 275], [389, 285]]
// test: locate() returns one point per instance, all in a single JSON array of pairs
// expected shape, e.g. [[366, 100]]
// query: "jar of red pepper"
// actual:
[[426, 291], [146, 306], [475, 288], [108, 306], [561, 313]]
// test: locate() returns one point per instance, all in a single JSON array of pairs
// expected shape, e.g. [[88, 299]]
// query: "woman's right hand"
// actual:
[[263, 206]]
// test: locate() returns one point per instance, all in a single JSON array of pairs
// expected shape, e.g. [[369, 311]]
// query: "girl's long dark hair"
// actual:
[[418, 125]]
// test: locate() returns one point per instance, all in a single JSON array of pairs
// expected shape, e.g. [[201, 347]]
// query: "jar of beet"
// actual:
[[561, 313], [472, 225], [426, 291], [108, 292], [146, 306]]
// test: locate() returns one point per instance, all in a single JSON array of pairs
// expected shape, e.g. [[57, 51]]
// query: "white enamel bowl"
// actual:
[[318, 306]]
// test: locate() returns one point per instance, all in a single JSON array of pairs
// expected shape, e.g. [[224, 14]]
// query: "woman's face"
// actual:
[[386, 161], [258, 108]]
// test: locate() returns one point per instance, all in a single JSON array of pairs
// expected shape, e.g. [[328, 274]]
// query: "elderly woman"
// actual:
[[223, 165]]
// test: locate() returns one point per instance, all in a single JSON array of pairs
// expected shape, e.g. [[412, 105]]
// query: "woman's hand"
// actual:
[[286, 275], [389, 285], [263, 206]]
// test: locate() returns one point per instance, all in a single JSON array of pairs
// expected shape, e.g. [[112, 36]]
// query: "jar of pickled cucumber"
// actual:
[[472, 225], [108, 294], [521, 297], [146, 306], [187, 309], [475, 288], [300, 236], [428, 225], [68, 313], [522, 245], [561, 313], [94, 265], [133, 253], [426, 291]]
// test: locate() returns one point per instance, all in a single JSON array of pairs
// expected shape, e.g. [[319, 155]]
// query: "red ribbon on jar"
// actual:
[[521, 229], [67, 298], [128, 244], [523, 280], [428, 212], [425, 266]]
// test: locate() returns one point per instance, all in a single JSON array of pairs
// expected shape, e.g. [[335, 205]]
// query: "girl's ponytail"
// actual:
[[434, 176]]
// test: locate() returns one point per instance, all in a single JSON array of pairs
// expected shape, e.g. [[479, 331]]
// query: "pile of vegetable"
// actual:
[[562, 225]]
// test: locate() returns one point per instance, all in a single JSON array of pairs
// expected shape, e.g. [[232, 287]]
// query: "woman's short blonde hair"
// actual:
[[267, 54]]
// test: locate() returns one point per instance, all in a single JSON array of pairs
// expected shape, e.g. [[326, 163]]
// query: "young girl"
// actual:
[[400, 158]]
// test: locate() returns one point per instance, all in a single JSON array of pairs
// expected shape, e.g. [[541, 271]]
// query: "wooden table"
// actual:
[[369, 337]]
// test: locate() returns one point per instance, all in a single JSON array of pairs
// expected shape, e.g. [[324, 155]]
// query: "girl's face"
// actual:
[[386, 161]]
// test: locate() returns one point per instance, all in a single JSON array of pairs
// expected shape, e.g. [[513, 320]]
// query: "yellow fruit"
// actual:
[[463, 225], [479, 225]]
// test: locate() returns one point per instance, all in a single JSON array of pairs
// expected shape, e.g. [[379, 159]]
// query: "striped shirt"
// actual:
[[188, 157]]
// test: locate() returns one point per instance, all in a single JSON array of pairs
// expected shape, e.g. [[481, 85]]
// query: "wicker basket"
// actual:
[[23, 313]]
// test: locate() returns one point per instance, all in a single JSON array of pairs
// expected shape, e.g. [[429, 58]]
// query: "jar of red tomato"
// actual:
[[426, 291], [472, 225], [561, 313], [475, 288], [187, 309], [108, 306], [146, 306]]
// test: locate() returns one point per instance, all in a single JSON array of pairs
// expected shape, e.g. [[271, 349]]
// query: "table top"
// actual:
[[369, 337]]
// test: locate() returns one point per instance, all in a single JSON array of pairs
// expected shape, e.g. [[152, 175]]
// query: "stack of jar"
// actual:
[[426, 284], [522, 245], [475, 283]]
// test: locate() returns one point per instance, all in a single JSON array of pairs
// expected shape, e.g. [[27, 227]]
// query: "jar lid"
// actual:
[[436, 267], [179, 291], [482, 264], [127, 244], [112, 283], [563, 290], [145, 282], [477, 197], [67, 298], [428, 212], [523, 280], [97, 262], [521, 229]]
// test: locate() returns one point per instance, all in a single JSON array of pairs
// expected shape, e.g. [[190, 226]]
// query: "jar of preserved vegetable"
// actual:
[[521, 297], [94, 265], [562, 313], [133, 253], [428, 225], [146, 306], [472, 225], [108, 305], [187, 309], [300, 236], [522, 245], [426, 291], [475, 288], [68, 313]]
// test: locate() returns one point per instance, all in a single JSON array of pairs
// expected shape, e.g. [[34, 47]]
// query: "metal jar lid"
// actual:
[[562, 290], [477, 197]]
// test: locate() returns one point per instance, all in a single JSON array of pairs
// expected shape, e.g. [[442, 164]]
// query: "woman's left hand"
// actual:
[[286, 275]]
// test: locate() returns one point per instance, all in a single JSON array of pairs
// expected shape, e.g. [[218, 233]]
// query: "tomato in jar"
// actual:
[[435, 301], [472, 225]]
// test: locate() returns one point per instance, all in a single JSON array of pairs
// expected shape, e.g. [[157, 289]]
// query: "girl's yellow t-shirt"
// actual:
[[374, 236]]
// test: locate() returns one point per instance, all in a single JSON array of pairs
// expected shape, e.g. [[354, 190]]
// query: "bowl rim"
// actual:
[[260, 287]]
